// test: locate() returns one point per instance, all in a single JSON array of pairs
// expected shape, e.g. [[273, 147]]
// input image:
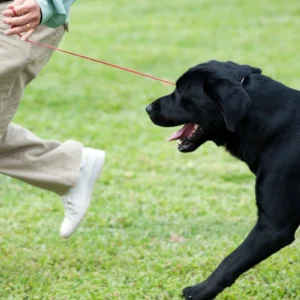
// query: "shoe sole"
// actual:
[[96, 173]]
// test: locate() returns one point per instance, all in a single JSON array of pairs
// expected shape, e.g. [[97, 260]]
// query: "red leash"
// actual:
[[101, 62], [97, 60]]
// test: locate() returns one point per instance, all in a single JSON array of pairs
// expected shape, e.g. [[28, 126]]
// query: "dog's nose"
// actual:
[[149, 109]]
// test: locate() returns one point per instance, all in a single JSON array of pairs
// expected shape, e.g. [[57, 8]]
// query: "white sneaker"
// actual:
[[77, 200]]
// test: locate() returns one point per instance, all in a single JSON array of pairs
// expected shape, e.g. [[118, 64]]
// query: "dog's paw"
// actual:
[[197, 292], [187, 293]]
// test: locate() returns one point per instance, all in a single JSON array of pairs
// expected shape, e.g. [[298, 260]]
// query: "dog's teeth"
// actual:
[[178, 142], [196, 126]]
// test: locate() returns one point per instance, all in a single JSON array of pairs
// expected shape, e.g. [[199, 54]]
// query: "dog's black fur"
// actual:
[[256, 119]]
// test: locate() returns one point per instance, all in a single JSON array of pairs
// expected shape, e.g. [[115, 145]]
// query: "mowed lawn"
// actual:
[[160, 220]]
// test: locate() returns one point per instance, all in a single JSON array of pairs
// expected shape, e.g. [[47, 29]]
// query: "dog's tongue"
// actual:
[[185, 131]]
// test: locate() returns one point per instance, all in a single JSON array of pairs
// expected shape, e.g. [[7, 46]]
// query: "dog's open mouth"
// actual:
[[187, 137]]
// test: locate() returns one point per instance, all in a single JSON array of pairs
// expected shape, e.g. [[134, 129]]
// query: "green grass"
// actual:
[[160, 220]]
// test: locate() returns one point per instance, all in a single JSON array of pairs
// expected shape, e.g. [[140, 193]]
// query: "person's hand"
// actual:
[[27, 19]]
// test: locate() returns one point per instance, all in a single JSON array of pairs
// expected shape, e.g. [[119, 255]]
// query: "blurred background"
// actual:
[[160, 220]]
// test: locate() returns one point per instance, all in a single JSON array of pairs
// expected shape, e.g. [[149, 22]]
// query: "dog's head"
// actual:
[[209, 100]]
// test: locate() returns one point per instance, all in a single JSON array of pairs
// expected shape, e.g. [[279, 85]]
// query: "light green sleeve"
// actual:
[[55, 12]]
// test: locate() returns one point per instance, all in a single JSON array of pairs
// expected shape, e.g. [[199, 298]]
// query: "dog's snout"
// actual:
[[153, 108], [149, 109]]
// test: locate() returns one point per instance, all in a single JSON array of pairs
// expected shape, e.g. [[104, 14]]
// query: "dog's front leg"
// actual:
[[278, 220], [265, 239]]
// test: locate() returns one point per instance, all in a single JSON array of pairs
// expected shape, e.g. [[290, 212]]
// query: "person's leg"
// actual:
[[47, 164], [39, 162], [66, 168]]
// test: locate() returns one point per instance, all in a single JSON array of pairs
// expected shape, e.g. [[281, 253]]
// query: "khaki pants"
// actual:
[[47, 164]]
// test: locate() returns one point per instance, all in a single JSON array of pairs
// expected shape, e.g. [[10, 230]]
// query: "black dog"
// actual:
[[258, 121]]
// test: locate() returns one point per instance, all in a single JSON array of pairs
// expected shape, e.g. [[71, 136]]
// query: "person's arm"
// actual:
[[55, 12], [29, 14]]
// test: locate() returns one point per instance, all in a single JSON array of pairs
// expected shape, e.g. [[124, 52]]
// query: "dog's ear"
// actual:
[[241, 71], [231, 97], [225, 86]]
